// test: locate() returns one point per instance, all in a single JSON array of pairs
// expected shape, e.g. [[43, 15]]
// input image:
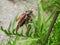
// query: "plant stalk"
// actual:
[[50, 28]]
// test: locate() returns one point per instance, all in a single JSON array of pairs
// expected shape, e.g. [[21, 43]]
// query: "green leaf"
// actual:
[[28, 41], [9, 28]]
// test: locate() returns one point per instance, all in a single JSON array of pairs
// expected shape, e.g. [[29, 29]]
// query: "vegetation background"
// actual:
[[45, 30]]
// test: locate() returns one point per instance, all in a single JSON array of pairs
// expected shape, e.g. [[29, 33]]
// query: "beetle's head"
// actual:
[[29, 12]]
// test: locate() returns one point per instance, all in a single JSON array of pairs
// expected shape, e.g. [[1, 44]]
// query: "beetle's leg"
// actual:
[[26, 23], [30, 19], [17, 27]]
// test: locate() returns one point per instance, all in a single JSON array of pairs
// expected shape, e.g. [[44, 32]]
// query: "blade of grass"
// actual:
[[51, 15], [50, 28], [5, 31], [13, 22], [27, 41], [9, 28]]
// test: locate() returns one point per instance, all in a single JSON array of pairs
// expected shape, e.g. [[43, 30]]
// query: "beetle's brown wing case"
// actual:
[[23, 21], [21, 17], [20, 20]]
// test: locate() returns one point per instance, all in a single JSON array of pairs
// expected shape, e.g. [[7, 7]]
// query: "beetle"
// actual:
[[23, 19]]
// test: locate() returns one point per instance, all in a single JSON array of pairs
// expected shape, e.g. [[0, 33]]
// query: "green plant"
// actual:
[[12, 42], [41, 33]]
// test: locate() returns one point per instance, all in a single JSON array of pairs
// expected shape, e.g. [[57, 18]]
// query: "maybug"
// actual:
[[23, 19]]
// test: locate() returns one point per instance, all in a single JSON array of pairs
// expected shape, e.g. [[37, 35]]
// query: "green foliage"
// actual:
[[50, 4], [37, 29], [12, 42], [28, 41]]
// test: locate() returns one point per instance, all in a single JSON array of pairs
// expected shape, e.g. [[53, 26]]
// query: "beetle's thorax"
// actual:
[[28, 12]]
